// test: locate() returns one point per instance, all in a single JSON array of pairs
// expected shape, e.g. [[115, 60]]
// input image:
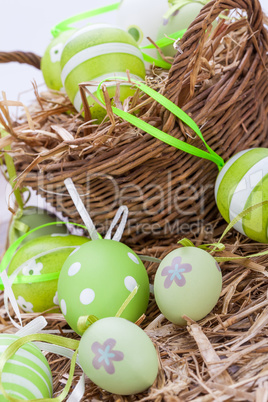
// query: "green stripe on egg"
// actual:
[[258, 218], [27, 374], [97, 52], [15, 389], [242, 183], [93, 35]]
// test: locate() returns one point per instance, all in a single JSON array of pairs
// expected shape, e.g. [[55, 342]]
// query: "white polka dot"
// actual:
[[133, 258], [63, 307], [130, 283], [74, 268], [87, 296], [75, 250], [60, 234]]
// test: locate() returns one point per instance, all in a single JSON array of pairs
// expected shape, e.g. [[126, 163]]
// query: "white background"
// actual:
[[25, 25]]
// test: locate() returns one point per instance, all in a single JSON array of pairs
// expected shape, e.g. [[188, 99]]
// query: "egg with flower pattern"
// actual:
[[98, 278], [36, 260], [118, 356], [188, 282], [50, 62]]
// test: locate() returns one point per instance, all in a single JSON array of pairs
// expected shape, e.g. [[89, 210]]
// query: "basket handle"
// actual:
[[21, 57], [194, 39]]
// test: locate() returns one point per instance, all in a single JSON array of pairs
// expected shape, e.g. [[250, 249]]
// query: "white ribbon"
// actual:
[[9, 295], [123, 210], [81, 209], [79, 389], [33, 327]]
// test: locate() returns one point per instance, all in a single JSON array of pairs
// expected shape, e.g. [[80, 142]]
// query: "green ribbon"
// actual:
[[20, 226], [85, 321], [127, 301], [53, 339], [162, 136], [11, 170], [161, 43], [66, 24], [12, 249], [219, 246]]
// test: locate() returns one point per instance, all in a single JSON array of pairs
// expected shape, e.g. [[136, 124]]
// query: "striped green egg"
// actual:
[[242, 183], [50, 62], [27, 374], [97, 52]]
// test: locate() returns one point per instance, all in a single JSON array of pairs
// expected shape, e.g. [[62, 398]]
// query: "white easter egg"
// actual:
[[142, 19]]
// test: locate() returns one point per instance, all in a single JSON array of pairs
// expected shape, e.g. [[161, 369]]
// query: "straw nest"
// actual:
[[223, 357]]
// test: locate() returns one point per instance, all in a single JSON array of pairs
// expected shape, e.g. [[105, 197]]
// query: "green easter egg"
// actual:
[[50, 62], [178, 21], [118, 356], [187, 282], [94, 53], [40, 296], [98, 278], [33, 217], [27, 375], [242, 183]]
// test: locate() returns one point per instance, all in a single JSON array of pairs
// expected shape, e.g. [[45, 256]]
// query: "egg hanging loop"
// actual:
[[81, 209]]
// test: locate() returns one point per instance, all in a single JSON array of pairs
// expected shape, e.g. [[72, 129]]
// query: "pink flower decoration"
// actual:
[[175, 272], [105, 355], [218, 267]]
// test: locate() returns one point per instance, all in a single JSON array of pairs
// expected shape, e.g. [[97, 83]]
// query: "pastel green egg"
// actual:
[[97, 52], [118, 356], [178, 21], [50, 62], [27, 374], [41, 256], [187, 282], [242, 183], [98, 278], [32, 217]]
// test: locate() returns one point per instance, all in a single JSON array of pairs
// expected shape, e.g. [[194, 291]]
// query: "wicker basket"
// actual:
[[219, 77]]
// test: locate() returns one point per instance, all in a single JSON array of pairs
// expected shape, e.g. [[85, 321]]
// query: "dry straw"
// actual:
[[220, 79], [222, 357]]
